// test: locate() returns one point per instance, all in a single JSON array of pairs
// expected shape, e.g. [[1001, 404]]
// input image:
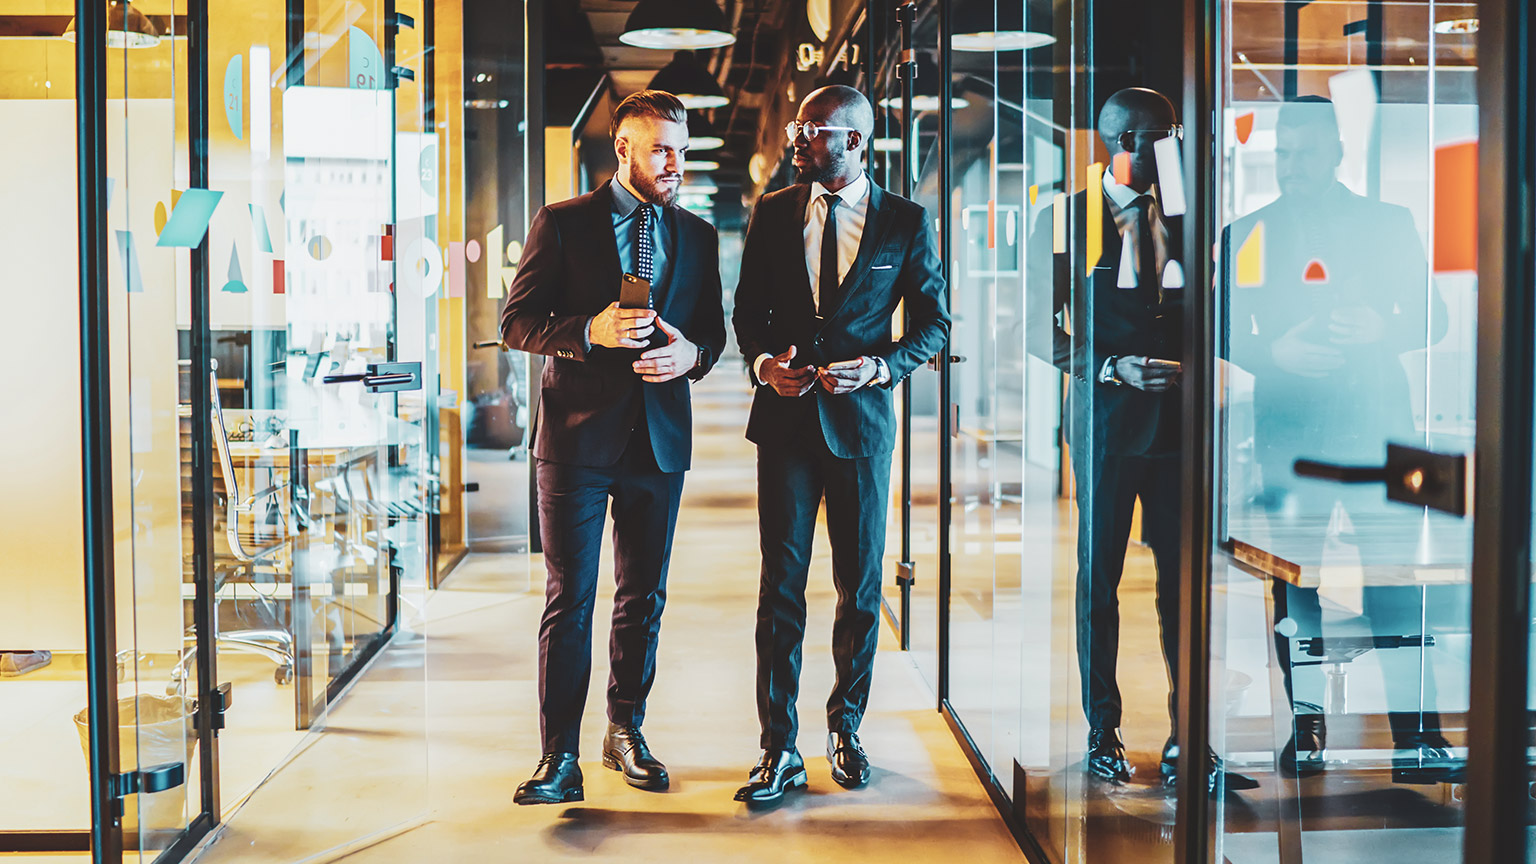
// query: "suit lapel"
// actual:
[[677, 254], [606, 246], [877, 224], [794, 247]]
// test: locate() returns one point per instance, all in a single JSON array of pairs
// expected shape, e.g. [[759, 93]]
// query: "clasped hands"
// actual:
[[836, 379], [617, 327]]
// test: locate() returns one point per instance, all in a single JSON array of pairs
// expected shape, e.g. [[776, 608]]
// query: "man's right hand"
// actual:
[[1140, 373], [785, 381], [615, 327]]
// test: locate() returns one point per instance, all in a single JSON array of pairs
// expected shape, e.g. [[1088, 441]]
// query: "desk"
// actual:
[[1410, 550]]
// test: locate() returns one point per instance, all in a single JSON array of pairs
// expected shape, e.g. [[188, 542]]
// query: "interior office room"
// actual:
[[1198, 547]]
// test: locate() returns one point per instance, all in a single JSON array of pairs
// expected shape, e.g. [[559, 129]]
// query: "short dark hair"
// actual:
[[647, 103]]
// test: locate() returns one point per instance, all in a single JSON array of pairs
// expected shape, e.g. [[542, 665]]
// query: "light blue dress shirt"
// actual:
[[625, 208]]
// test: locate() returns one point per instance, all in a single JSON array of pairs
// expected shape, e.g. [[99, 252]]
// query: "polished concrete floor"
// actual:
[[422, 758]]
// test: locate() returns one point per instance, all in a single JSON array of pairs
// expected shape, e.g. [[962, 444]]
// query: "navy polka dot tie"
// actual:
[[644, 250]]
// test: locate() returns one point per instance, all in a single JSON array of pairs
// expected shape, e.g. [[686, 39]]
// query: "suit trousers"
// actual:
[[1107, 489], [792, 479], [572, 499]]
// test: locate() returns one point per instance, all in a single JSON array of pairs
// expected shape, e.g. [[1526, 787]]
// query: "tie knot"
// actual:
[[1142, 202], [831, 199], [645, 214]]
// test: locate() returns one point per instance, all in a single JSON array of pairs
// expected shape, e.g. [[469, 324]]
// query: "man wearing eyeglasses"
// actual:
[[825, 264], [1122, 352]]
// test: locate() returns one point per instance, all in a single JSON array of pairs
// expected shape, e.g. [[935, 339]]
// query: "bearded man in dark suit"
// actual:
[[615, 423]]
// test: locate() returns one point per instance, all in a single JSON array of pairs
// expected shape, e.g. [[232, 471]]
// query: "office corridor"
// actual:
[[923, 804]]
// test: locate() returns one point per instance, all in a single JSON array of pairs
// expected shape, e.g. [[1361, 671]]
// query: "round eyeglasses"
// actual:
[[1127, 139], [794, 129]]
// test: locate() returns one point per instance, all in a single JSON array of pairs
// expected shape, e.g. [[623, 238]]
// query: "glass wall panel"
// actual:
[[1345, 315], [42, 601]]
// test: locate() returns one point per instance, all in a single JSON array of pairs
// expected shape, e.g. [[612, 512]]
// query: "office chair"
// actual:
[[256, 538]]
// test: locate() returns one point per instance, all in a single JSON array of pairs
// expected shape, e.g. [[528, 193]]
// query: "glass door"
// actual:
[[1346, 334], [318, 327]]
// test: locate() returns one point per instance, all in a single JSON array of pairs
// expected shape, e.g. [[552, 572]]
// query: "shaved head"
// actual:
[[845, 107], [1130, 122], [1133, 108], [834, 156]]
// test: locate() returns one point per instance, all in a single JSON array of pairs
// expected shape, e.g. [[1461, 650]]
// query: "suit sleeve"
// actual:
[[753, 311], [529, 321], [708, 324], [1047, 291], [921, 286]]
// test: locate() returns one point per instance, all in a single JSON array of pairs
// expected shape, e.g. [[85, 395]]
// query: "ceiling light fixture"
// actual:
[[127, 27], [925, 97], [702, 135], [701, 165], [687, 79], [674, 24], [979, 28]]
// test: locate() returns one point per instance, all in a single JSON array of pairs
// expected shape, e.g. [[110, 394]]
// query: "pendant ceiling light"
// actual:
[[702, 135], [127, 27], [687, 79], [925, 97], [978, 27], [674, 24]]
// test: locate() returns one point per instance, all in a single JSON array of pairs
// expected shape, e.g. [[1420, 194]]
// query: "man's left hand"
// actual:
[[672, 360], [838, 379]]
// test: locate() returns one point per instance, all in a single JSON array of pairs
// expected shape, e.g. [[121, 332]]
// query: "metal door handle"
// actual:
[[490, 343], [383, 377], [1412, 476]]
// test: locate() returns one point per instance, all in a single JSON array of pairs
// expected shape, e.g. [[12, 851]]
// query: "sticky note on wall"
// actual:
[[1456, 207]]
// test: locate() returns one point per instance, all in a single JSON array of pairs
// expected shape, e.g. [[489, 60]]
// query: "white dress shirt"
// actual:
[[852, 213], [1122, 197]]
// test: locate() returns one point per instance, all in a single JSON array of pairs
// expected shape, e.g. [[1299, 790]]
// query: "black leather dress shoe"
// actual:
[[557, 780], [1106, 756], [850, 767], [1310, 737], [624, 750], [777, 772], [1217, 776], [1426, 758]]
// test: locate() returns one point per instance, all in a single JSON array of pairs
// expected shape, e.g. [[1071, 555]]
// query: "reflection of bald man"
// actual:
[[1122, 348]]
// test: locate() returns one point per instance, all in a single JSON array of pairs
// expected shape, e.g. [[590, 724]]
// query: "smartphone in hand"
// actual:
[[634, 292], [1170, 365]]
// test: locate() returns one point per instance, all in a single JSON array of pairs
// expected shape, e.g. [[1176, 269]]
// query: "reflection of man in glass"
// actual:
[[1119, 334], [1326, 292]]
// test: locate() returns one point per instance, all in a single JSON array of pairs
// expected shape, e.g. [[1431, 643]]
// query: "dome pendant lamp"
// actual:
[[677, 24]]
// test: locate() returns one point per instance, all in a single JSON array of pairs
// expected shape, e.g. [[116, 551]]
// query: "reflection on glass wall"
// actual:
[[1345, 308]]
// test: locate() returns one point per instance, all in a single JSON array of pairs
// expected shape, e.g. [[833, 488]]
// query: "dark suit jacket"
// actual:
[[591, 398], [1106, 321], [774, 310], [1367, 253]]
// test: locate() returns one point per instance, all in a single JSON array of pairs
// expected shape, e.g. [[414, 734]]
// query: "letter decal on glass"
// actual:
[[234, 98], [190, 212], [1244, 126]]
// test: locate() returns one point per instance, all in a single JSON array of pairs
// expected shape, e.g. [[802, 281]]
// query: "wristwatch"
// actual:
[[1108, 374]]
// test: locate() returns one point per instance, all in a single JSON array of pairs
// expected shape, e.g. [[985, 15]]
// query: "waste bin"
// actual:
[[151, 730]]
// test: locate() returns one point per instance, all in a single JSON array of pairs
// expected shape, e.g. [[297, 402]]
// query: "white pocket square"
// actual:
[[882, 266]]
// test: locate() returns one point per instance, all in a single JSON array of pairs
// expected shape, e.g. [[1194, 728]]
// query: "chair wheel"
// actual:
[[283, 674]]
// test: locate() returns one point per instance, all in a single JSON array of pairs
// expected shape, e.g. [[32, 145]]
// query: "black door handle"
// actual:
[[489, 343], [1412, 476], [383, 377]]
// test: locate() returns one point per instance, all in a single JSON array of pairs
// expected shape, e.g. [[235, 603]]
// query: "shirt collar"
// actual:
[[625, 202], [1121, 195], [851, 194]]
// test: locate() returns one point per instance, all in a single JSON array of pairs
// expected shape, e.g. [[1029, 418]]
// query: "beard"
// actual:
[[813, 173], [650, 188]]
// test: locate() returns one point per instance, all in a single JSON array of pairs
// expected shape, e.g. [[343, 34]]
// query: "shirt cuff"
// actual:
[[757, 366], [882, 371], [1107, 372], [586, 335]]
